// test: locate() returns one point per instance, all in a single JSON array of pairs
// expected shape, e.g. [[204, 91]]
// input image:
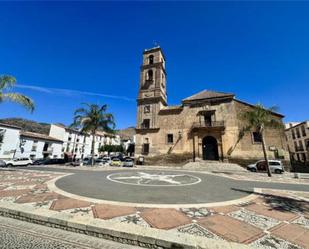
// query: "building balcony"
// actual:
[[147, 128], [215, 125]]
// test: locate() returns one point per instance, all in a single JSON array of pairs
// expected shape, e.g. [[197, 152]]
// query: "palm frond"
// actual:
[[80, 111], [20, 99], [6, 81], [92, 118], [260, 116]]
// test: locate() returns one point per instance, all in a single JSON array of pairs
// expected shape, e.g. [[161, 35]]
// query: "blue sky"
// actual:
[[66, 53]]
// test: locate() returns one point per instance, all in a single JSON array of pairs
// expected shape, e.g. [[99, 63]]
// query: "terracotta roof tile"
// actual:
[[206, 94]]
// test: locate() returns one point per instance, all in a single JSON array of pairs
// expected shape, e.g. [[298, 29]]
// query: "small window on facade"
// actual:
[[297, 133], [145, 149], [257, 138], [150, 59], [147, 109], [170, 138], [295, 145], [293, 134], [303, 131], [301, 147], [146, 123]]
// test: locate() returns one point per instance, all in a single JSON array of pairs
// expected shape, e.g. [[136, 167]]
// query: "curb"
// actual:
[[119, 232]]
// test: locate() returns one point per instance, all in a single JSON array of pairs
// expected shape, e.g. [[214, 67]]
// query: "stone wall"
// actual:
[[180, 123], [248, 149]]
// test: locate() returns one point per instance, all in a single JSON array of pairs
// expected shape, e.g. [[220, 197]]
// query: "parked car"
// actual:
[[2, 163], [38, 162], [128, 162], [107, 160], [275, 166], [115, 162], [23, 161], [76, 163], [54, 161], [87, 161], [99, 161]]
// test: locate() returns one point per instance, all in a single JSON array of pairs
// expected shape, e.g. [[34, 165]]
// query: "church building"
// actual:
[[206, 124]]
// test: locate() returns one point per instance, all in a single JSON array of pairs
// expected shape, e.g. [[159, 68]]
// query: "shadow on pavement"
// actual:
[[280, 203]]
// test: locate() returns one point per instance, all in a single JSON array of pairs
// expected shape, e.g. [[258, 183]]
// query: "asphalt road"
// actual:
[[16, 234], [212, 188]]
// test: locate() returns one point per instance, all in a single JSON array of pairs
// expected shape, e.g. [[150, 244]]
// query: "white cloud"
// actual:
[[71, 92]]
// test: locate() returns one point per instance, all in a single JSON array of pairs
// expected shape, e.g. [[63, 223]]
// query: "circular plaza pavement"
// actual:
[[157, 187]]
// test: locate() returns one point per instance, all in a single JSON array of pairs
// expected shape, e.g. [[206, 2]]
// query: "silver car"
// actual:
[[275, 166], [128, 162]]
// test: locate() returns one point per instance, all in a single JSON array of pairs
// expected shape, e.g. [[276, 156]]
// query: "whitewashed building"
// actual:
[[15, 143], [9, 140], [77, 145], [35, 145]]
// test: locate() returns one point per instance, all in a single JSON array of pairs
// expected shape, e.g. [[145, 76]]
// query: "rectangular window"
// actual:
[[295, 146], [303, 131], [257, 138], [170, 138], [146, 124], [207, 119], [301, 147], [145, 149], [147, 109], [297, 133], [293, 134], [34, 145]]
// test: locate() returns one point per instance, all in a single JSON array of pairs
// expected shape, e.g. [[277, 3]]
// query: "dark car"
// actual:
[[39, 162], [49, 161]]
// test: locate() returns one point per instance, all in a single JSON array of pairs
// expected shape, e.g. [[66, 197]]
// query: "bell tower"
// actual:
[[152, 88]]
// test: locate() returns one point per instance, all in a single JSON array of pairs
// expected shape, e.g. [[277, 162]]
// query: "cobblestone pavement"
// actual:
[[15, 234], [272, 219]]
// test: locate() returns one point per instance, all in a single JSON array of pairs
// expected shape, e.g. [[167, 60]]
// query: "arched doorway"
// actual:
[[210, 148]]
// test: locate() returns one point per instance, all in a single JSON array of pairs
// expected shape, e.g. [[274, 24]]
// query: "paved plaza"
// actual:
[[216, 206], [15, 234]]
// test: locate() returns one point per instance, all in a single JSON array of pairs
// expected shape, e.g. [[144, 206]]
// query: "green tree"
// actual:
[[93, 118], [111, 148], [259, 119], [6, 84]]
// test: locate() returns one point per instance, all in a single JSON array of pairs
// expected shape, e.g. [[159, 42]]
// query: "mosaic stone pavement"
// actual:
[[16, 234], [274, 219]]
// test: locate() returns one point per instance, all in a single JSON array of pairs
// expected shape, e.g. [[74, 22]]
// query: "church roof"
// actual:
[[206, 94]]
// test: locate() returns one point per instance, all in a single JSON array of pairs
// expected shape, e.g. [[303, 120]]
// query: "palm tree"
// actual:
[[6, 83], [91, 119], [258, 119]]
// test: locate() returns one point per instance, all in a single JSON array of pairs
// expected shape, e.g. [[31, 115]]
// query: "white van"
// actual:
[[23, 161]]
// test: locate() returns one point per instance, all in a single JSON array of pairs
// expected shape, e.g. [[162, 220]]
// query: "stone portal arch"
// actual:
[[210, 148]]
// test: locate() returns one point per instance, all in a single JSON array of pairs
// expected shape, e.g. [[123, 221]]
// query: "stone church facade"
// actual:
[[207, 124]]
